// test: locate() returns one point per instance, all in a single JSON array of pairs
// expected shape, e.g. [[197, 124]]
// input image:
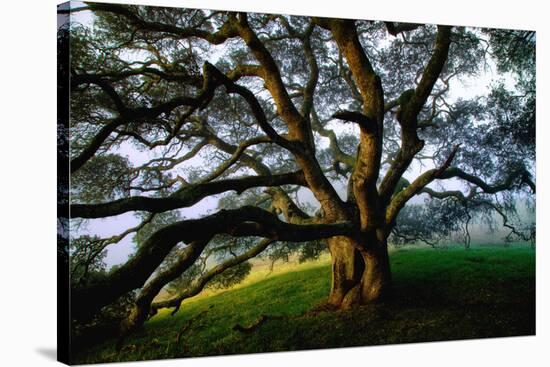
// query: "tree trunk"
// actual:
[[347, 268], [376, 280], [358, 276]]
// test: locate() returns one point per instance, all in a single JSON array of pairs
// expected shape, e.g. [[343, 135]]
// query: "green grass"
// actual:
[[438, 295]]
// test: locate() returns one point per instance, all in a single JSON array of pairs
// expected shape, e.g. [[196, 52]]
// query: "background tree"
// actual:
[[273, 108]]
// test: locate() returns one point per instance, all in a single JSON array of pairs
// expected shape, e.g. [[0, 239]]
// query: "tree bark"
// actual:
[[376, 280], [347, 268], [360, 272]]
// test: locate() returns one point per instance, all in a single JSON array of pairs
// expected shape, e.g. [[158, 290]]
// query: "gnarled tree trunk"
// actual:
[[360, 274], [376, 279], [347, 268]]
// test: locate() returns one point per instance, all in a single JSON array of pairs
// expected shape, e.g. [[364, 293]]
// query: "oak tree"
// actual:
[[259, 111]]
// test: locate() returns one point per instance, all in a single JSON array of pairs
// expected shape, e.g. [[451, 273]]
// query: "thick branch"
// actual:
[[235, 157], [309, 88], [518, 176], [281, 203], [212, 78], [363, 121], [103, 243], [245, 221], [252, 101], [138, 314], [367, 166], [77, 80], [182, 198], [129, 114], [337, 153], [172, 76], [92, 147], [429, 76], [298, 127], [411, 103], [401, 198], [225, 32], [457, 194], [199, 285]]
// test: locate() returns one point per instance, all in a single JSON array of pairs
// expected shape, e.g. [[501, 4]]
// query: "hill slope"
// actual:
[[439, 295]]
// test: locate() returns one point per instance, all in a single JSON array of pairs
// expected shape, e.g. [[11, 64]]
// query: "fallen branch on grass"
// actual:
[[251, 328]]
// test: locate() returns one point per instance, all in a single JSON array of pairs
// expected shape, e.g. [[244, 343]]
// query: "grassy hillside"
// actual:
[[439, 295]]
